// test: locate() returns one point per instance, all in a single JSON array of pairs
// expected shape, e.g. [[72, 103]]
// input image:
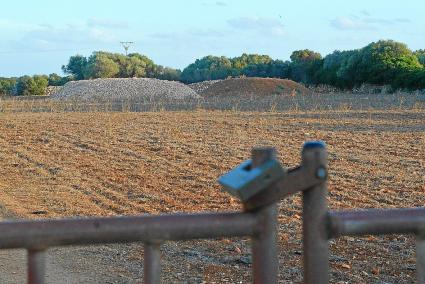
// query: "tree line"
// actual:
[[98, 65], [114, 65], [381, 63], [30, 85], [385, 62]]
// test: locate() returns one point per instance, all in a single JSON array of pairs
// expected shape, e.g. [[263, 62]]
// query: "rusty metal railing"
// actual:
[[260, 183], [37, 236], [320, 225], [258, 221]]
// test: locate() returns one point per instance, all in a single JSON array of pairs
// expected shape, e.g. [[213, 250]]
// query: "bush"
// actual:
[[6, 86], [32, 86]]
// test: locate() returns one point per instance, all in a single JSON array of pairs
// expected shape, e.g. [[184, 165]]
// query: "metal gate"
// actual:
[[261, 184]]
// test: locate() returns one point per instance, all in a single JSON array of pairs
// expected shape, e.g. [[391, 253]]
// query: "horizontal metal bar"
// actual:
[[297, 179], [60, 232], [376, 221]]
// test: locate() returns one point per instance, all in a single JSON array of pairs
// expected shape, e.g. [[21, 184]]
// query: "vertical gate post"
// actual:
[[36, 266], [152, 263], [315, 208], [420, 256], [264, 247]]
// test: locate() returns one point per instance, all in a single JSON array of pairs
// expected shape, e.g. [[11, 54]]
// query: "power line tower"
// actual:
[[126, 45]]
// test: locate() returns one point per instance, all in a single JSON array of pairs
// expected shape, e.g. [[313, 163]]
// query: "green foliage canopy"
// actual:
[[220, 67], [100, 65], [76, 66], [32, 86], [114, 65], [6, 86], [56, 80], [305, 63], [385, 62], [420, 54]]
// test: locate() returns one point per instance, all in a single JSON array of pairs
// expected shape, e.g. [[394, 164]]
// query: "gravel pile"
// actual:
[[51, 90], [203, 86], [125, 88]]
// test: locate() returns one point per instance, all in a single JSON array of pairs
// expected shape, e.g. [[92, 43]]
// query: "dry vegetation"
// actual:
[[113, 163], [279, 102]]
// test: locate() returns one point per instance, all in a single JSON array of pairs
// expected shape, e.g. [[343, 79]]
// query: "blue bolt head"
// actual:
[[314, 145]]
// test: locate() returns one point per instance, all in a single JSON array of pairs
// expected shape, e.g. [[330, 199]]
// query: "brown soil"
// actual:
[[255, 87], [81, 164]]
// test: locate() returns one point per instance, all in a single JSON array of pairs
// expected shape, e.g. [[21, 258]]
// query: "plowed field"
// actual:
[[86, 164]]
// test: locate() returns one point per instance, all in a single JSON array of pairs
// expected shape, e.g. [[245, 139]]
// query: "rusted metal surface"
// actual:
[[264, 246], [315, 208], [296, 180], [420, 256], [46, 233], [376, 221], [36, 266], [152, 263]]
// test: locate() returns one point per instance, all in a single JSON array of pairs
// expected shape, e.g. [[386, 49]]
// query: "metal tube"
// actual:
[[315, 236], [152, 263], [36, 266], [264, 247], [376, 221], [46, 233], [420, 256], [296, 179]]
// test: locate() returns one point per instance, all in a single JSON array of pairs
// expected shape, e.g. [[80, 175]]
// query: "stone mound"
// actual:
[[125, 88]]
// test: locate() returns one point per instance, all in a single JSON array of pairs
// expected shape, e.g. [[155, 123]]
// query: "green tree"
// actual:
[[41, 83], [25, 86], [166, 73], [333, 70], [6, 86], [100, 65], [420, 54], [305, 64], [32, 86], [410, 79], [207, 68], [105, 64], [250, 59], [381, 62], [305, 55], [56, 80], [142, 66], [279, 69], [76, 67], [252, 65]]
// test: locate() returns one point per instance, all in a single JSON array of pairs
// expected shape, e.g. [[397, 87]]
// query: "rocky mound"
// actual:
[[125, 88], [253, 87], [203, 86]]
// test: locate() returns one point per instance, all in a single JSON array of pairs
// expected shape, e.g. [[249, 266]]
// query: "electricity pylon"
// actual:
[[126, 45]]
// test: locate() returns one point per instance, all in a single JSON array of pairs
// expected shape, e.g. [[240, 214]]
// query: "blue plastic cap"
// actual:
[[314, 145]]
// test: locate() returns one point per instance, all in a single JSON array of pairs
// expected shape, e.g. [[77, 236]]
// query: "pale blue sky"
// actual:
[[37, 37]]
